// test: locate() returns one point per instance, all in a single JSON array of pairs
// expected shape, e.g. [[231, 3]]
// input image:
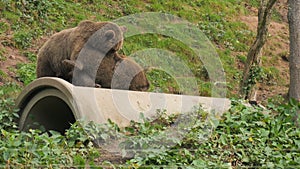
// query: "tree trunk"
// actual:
[[294, 27], [248, 84]]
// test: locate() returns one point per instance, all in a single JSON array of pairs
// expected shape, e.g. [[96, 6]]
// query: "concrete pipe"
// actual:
[[56, 104]]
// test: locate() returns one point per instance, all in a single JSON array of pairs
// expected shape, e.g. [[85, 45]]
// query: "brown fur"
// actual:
[[119, 72], [67, 44], [75, 54]]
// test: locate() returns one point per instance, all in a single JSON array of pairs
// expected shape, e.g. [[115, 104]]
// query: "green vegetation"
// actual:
[[35, 149], [26, 72], [244, 137], [158, 78]]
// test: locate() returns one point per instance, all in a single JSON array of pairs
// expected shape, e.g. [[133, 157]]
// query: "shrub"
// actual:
[[245, 137], [26, 72], [22, 39]]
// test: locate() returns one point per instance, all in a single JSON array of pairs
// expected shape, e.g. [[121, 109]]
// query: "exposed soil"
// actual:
[[275, 52], [10, 57], [13, 57], [113, 158]]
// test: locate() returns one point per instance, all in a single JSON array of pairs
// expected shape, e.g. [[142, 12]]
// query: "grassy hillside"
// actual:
[[25, 25], [244, 136]]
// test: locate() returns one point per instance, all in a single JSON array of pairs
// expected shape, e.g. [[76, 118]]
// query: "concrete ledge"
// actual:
[[56, 104]]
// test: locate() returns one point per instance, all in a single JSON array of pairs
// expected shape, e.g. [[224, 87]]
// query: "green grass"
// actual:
[[2, 57]]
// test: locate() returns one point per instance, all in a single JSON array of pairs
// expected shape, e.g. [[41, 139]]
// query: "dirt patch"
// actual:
[[11, 57], [275, 52], [282, 8], [107, 157], [8, 64]]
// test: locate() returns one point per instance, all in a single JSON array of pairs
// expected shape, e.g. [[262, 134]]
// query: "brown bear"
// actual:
[[119, 72], [115, 71], [67, 44], [75, 55]]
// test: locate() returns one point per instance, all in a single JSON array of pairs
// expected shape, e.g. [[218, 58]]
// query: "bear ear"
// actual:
[[109, 34], [123, 29], [148, 69], [85, 23]]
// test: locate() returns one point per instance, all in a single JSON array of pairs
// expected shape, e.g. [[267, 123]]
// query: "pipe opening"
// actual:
[[49, 113]]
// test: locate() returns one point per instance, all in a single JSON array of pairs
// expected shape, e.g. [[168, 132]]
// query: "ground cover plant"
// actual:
[[245, 136]]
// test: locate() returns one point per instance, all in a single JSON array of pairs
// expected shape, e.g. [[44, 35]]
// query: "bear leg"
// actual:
[[44, 69]]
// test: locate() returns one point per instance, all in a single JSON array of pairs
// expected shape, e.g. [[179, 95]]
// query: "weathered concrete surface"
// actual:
[[56, 104]]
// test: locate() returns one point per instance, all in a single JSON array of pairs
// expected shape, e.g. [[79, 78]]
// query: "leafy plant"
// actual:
[[36, 149], [8, 113], [255, 75], [3, 27], [2, 57], [22, 39], [31, 56], [220, 31], [9, 90], [27, 72], [245, 137]]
